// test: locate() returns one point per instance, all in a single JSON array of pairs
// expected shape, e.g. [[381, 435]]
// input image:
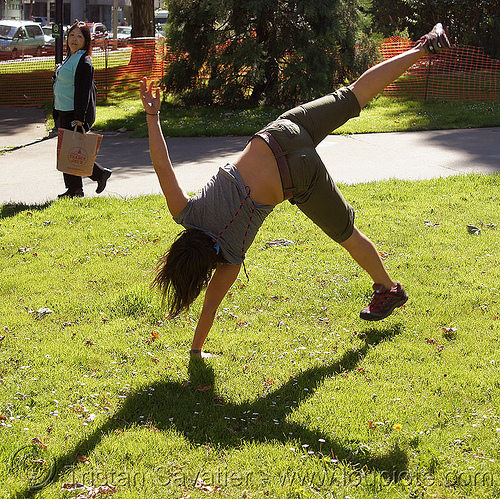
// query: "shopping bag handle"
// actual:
[[75, 129]]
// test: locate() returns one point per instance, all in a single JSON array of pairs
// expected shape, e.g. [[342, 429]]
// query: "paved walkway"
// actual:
[[29, 174]]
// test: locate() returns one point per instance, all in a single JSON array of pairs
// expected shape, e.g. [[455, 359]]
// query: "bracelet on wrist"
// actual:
[[153, 114]]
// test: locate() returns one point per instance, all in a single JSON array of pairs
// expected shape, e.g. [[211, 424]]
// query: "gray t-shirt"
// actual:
[[224, 210]]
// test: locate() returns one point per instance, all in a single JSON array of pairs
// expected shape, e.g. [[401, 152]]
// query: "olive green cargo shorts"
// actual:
[[298, 132]]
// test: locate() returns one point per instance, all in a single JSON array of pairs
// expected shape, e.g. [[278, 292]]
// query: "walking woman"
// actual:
[[75, 100], [279, 162]]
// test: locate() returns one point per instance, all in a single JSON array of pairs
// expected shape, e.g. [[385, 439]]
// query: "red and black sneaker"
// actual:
[[383, 302], [435, 41]]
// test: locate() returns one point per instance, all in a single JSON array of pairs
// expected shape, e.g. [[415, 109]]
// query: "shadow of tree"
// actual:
[[12, 209], [203, 417]]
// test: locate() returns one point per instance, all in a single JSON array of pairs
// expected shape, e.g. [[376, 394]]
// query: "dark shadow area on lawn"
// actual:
[[130, 156], [12, 209], [202, 416]]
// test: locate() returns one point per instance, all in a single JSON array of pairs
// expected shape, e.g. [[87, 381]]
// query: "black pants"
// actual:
[[73, 182]]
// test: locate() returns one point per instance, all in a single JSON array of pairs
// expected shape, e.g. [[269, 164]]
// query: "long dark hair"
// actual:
[[86, 34], [185, 270]]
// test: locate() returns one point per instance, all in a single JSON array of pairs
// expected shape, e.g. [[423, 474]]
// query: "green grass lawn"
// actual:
[[303, 400], [100, 60]]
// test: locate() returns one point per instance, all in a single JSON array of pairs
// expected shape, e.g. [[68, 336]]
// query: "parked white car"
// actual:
[[50, 41], [123, 34], [20, 37]]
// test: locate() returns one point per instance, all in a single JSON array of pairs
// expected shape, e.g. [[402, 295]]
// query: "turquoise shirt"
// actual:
[[64, 86]]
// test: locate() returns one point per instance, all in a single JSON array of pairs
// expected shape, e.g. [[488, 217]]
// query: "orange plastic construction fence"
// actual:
[[461, 73], [117, 70]]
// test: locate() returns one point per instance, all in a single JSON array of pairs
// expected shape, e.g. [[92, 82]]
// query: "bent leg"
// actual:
[[97, 172], [321, 116], [364, 252], [72, 182], [101, 176]]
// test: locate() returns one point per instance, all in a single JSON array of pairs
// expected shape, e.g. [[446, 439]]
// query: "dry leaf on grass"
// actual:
[[203, 389], [200, 484], [87, 492], [37, 441]]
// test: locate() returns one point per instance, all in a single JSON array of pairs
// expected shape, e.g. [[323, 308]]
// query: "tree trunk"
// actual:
[[30, 16], [143, 18]]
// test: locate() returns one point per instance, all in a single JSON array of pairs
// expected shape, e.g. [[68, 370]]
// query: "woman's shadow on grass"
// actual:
[[202, 416]]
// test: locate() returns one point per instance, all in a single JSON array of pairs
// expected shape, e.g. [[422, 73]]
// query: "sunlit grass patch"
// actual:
[[302, 397], [383, 114]]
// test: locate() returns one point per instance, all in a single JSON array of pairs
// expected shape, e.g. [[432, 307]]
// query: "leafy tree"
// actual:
[[391, 17], [470, 22], [264, 51]]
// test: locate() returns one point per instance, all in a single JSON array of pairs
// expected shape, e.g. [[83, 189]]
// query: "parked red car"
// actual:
[[98, 33]]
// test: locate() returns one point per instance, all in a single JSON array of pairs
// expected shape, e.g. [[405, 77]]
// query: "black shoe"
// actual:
[[72, 194], [383, 302], [101, 184], [435, 41]]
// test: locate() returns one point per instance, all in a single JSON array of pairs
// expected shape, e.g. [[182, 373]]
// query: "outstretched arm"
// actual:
[[223, 278], [175, 196]]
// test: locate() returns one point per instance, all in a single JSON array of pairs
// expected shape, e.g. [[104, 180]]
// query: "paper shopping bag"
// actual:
[[76, 152]]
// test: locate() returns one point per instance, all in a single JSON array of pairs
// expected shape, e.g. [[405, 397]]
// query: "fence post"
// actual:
[[163, 63], [59, 42], [427, 79], [106, 68]]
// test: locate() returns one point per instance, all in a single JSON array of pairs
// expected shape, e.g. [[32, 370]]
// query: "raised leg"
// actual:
[[375, 79]]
